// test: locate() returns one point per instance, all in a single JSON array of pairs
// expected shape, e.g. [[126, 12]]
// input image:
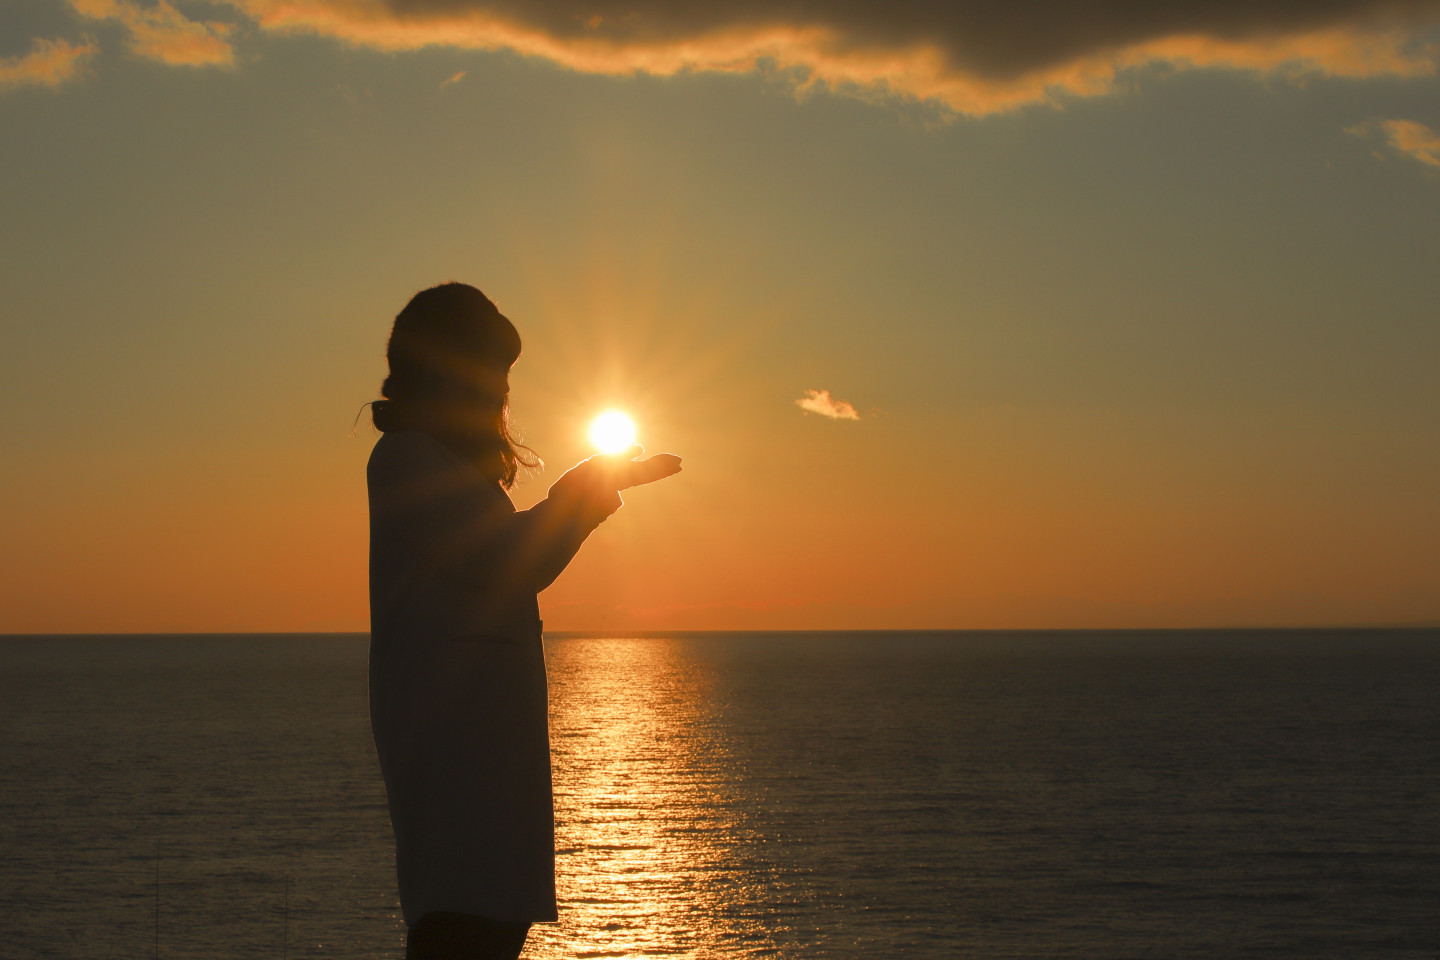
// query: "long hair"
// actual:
[[450, 354]]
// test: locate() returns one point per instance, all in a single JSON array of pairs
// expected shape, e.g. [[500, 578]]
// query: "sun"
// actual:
[[612, 431]]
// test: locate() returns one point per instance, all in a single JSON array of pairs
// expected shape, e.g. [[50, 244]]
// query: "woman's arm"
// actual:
[[578, 502], [545, 538], [426, 503]]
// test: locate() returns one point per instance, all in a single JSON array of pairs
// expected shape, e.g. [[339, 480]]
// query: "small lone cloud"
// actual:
[[1408, 138], [456, 78], [48, 64], [820, 401]]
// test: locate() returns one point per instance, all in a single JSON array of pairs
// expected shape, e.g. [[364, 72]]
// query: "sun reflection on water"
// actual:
[[644, 832]]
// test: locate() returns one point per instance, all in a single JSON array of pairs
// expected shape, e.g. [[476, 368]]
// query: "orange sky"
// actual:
[[1139, 330]]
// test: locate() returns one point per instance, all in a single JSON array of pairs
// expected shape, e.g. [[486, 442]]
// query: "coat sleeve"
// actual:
[[549, 534]]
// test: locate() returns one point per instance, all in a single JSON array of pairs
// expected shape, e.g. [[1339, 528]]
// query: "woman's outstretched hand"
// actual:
[[599, 480], [629, 472]]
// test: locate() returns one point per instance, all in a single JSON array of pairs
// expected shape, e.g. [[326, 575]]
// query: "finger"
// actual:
[[658, 467]]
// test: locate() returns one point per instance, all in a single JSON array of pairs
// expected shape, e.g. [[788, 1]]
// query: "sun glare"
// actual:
[[612, 431]]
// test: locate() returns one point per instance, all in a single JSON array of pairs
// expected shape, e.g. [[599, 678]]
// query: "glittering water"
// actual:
[[827, 796]]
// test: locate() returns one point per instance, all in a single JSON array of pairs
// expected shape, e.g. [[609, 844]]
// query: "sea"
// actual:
[[1216, 794]]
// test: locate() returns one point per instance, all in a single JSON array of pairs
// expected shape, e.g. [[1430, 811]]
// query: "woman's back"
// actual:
[[457, 689]]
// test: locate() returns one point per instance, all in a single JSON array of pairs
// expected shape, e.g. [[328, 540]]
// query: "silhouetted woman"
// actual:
[[457, 672]]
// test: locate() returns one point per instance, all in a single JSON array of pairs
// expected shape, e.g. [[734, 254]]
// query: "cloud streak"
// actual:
[[820, 401], [968, 56], [1408, 138], [161, 32], [1414, 140], [49, 63]]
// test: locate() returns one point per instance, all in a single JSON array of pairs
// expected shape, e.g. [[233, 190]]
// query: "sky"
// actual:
[[962, 315]]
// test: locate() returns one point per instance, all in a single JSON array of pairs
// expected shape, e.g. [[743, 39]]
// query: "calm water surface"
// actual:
[[816, 795]]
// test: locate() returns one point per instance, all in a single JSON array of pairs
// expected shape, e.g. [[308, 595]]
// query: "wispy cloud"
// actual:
[[1409, 138], [820, 401], [1414, 140], [968, 56], [452, 79], [48, 64], [161, 32]]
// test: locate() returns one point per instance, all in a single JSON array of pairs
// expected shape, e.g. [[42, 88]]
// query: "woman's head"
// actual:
[[450, 354]]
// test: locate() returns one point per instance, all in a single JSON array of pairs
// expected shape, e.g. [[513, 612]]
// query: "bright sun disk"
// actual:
[[612, 432]]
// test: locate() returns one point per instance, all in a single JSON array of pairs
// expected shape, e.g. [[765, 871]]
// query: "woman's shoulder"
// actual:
[[403, 459], [411, 444], [400, 453]]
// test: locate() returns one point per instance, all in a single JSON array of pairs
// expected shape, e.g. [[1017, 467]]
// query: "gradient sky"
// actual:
[[1137, 310]]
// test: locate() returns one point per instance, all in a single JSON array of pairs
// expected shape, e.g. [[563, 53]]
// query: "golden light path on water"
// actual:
[[646, 834]]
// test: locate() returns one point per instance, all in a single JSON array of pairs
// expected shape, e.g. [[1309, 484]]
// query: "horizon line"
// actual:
[[1419, 625]]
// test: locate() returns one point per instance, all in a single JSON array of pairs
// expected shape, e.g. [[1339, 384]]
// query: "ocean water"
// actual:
[[1004, 795]]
